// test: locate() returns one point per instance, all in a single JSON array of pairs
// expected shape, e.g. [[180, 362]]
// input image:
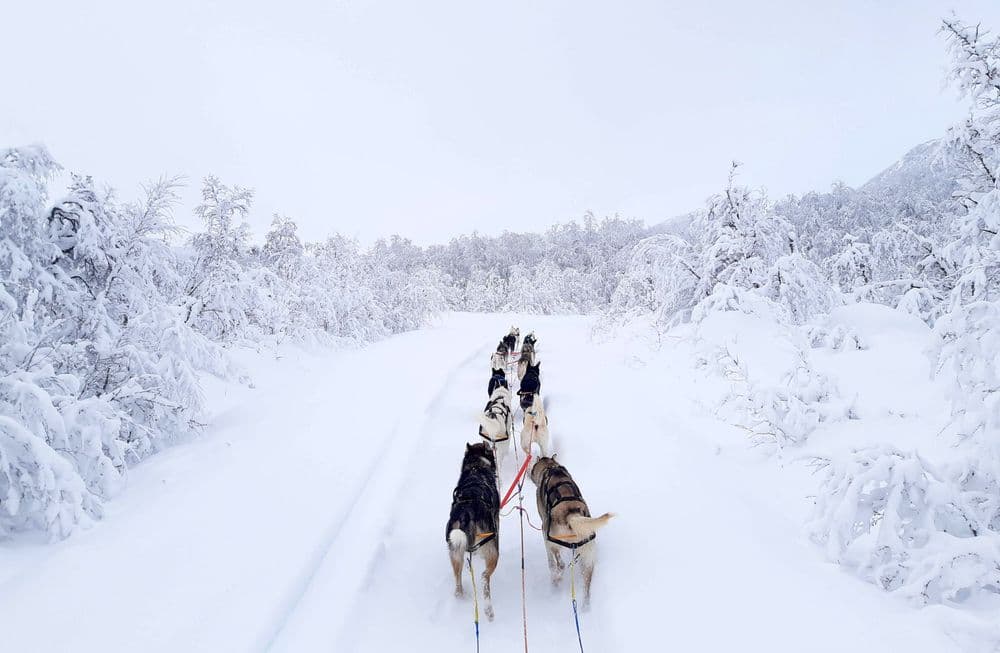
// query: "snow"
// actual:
[[890, 382], [335, 539]]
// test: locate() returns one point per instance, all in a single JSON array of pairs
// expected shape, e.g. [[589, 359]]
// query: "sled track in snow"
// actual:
[[367, 517]]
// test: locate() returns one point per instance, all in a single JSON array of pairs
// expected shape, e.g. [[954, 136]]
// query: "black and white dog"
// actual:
[[498, 360], [527, 356], [475, 517], [498, 379], [531, 384], [497, 422], [511, 339]]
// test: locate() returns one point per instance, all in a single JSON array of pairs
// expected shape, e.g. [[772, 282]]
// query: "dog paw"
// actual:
[[459, 593], [489, 612]]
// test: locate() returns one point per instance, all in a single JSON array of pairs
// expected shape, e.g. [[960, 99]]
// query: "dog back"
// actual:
[[499, 379], [558, 490], [531, 381], [475, 504]]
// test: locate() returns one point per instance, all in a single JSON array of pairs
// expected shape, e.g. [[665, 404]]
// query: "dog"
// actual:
[[535, 428], [566, 521], [511, 339], [498, 379], [497, 422], [531, 385], [474, 523], [498, 361], [527, 356]]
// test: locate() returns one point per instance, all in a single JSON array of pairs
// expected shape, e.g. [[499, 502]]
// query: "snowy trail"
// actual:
[[350, 557], [310, 518], [699, 558]]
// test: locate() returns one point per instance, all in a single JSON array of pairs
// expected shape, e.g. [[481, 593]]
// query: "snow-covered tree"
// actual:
[[852, 267], [660, 278], [928, 533], [225, 296], [741, 237], [971, 329], [799, 285], [39, 488], [283, 249], [97, 369]]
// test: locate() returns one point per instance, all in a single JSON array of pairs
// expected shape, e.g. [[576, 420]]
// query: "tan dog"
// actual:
[[535, 427], [566, 522]]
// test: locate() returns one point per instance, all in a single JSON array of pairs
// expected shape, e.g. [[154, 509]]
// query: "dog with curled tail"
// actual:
[[567, 526]]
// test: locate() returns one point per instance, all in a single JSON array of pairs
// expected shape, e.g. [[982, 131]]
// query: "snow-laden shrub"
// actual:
[[838, 337], [727, 298], [800, 287], [920, 301], [851, 268], [774, 391], [39, 488], [782, 413], [931, 535], [97, 368], [969, 354]]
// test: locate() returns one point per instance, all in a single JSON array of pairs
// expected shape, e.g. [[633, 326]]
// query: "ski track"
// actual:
[[367, 521]]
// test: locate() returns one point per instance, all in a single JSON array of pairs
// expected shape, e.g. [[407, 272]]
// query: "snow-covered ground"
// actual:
[[311, 516]]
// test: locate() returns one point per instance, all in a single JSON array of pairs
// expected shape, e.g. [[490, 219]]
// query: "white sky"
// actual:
[[430, 119]]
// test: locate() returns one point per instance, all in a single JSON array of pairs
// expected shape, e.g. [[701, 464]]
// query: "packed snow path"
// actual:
[[311, 517]]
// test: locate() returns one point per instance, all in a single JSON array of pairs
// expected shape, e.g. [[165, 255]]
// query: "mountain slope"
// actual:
[[926, 172]]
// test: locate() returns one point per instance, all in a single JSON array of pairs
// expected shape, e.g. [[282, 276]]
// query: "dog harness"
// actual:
[[498, 380], [473, 486], [553, 497], [495, 408], [482, 434], [481, 539]]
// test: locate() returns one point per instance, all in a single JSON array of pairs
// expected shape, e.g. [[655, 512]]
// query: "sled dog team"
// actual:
[[474, 524]]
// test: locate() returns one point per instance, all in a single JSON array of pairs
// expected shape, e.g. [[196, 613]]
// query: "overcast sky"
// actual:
[[430, 119]]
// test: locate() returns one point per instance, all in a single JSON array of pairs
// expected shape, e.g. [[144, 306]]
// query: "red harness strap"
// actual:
[[517, 478]]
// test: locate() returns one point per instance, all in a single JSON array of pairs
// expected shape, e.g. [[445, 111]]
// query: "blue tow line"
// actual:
[[572, 585]]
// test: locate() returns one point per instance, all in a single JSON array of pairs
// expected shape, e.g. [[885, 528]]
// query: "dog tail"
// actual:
[[457, 540], [587, 526]]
